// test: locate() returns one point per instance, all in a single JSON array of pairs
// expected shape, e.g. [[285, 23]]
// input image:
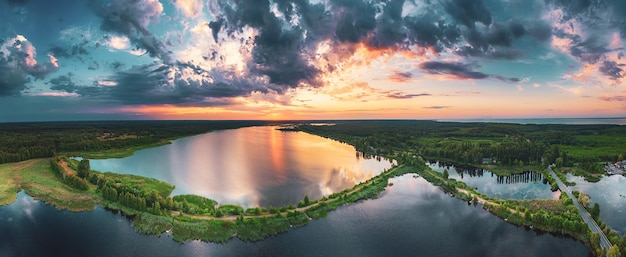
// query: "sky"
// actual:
[[311, 59]]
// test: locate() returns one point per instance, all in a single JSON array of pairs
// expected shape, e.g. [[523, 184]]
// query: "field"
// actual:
[[36, 178]]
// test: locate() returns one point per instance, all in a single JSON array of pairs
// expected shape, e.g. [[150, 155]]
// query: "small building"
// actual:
[[489, 160]]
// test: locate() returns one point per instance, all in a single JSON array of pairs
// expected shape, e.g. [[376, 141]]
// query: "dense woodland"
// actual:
[[585, 146], [23, 141]]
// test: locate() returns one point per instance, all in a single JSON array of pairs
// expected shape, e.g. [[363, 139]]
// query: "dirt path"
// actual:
[[487, 201], [301, 209], [67, 169]]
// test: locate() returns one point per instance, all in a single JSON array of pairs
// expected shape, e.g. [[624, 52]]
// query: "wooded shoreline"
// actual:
[[191, 217]]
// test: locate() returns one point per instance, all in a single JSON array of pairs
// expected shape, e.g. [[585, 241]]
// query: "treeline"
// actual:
[[23, 141], [136, 198], [137, 195], [474, 143], [69, 179]]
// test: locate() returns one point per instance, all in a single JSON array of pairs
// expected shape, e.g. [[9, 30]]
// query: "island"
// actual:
[[69, 183]]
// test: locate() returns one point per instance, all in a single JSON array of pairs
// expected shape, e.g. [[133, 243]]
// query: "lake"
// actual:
[[411, 218], [254, 166], [527, 185], [610, 194]]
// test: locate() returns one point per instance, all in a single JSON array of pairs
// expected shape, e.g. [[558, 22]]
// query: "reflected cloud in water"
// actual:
[[256, 166]]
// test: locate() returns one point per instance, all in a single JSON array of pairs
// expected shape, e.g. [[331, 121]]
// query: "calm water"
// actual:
[[411, 218], [610, 194], [528, 185], [256, 166]]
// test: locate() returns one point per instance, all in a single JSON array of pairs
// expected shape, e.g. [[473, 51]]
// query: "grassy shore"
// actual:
[[37, 180]]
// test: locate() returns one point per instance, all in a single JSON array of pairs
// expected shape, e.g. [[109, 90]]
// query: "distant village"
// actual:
[[616, 168]]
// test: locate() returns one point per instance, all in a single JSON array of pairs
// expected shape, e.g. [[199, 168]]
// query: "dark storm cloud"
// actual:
[[16, 67], [277, 48], [131, 18], [63, 83], [468, 12], [355, 19], [429, 30], [69, 52], [215, 27], [283, 49], [496, 41], [12, 81], [153, 84], [598, 18], [116, 66], [612, 69], [459, 71]]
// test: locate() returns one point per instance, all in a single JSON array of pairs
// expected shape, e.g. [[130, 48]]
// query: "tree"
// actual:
[[622, 246], [185, 205], [445, 173], [613, 252], [306, 200], [594, 239], [595, 211], [83, 168]]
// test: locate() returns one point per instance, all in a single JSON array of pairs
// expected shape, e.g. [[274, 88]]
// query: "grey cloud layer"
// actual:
[[596, 16], [284, 49]]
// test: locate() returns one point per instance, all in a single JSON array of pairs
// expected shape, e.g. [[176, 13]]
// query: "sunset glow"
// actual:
[[282, 60]]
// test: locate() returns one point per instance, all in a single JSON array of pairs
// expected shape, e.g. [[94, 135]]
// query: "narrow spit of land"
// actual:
[[593, 226]]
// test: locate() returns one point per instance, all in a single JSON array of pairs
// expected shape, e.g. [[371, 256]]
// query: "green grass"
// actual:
[[230, 209], [9, 179], [37, 180], [152, 224], [196, 204], [256, 229], [219, 231], [144, 184]]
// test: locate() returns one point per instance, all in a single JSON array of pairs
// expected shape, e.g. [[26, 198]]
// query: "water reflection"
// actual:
[[526, 185], [411, 218], [610, 194], [256, 166]]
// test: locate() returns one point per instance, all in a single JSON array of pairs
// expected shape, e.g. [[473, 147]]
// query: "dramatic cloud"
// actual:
[[612, 69], [191, 8], [591, 31], [18, 59], [455, 70], [468, 12], [131, 18], [226, 53]]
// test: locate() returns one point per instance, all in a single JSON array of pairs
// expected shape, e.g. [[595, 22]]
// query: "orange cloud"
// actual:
[[191, 8]]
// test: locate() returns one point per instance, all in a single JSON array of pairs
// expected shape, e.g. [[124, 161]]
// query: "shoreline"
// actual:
[[247, 228], [154, 224]]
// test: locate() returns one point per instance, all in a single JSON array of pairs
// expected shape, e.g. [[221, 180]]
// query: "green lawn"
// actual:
[[36, 178]]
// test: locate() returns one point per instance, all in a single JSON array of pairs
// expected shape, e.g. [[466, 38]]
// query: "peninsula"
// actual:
[[70, 184]]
